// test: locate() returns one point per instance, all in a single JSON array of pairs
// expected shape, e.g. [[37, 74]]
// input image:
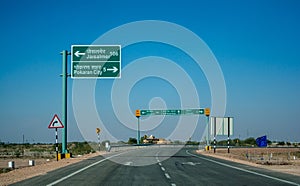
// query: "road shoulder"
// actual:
[[24, 173], [289, 169]]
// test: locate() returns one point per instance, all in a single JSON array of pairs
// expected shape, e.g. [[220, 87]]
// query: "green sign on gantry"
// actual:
[[171, 112]]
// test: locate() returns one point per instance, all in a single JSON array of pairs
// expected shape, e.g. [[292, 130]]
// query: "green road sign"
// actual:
[[172, 112], [96, 61]]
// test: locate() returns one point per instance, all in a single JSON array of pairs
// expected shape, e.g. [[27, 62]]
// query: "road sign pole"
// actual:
[[56, 144], [207, 140], [99, 141], [228, 140], [98, 133], [64, 100], [207, 113], [138, 131], [56, 123], [215, 133]]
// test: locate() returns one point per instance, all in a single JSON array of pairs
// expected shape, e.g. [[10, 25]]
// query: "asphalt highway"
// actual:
[[160, 166]]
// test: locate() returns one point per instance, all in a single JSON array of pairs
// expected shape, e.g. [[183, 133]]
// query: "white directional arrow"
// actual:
[[128, 163], [190, 163], [78, 53], [114, 69]]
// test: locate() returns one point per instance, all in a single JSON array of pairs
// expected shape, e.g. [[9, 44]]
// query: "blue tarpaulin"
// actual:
[[262, 141]]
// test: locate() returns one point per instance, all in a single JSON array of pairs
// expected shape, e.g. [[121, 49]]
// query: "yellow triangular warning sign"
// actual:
[[55, 123]]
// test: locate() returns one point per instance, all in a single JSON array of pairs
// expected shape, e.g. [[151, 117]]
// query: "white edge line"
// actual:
[[84, 168], [244, 170]]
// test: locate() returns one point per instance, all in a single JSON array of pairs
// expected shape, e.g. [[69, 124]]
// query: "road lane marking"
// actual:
[[163, 169], [244, 170], [128, 163], [156, 156], [190, 163], [83, 169], [167, 176]]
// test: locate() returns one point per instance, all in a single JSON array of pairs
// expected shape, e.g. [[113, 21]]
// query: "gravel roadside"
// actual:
[[289, 169], [23, 173]]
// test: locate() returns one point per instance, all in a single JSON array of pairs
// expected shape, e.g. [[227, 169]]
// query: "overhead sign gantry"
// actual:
[[174, 112]]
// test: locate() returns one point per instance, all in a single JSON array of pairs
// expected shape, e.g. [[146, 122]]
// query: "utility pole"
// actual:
[[23, 150]]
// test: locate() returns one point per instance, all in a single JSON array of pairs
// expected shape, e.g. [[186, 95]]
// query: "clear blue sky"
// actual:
[[255, 42]]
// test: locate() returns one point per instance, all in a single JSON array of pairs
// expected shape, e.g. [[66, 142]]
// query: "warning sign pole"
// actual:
[[56, 144], [56, 123], [98, 133], [99, 141]]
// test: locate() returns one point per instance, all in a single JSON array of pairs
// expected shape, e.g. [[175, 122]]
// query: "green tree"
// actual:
[[269, 142], [132, 141], [221, 142], [250, 141], [177, 142], [192, 142], [236, 142]]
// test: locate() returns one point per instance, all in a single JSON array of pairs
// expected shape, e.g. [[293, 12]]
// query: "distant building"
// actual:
[[163, 141], [151, 139]]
